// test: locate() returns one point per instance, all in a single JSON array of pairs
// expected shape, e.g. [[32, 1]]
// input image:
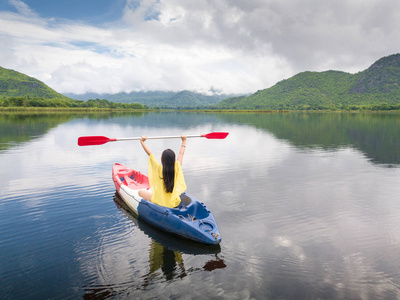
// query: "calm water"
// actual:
[[308, 206]]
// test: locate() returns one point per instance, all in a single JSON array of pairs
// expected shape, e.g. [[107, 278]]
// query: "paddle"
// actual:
[[100, 140]]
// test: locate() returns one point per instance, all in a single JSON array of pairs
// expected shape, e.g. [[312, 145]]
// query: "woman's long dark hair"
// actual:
[[168, 164]]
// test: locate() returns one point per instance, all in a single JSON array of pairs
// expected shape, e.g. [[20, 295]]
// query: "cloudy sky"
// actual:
[[231, 46]]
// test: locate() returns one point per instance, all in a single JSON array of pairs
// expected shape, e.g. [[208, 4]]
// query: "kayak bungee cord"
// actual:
[[193, 219]]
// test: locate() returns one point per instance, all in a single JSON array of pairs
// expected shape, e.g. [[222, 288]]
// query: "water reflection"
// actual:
[[171, 263], [375, 134], [19, 127]]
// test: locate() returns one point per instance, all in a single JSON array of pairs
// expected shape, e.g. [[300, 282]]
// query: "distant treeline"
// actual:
[[372, 107], [310, 106], [55, 102], [105, 104]]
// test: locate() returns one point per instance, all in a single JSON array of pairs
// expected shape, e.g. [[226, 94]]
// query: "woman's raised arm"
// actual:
[[182, 150], [146, 149]]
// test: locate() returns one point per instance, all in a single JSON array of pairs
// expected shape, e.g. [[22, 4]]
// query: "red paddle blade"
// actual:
[[93, 140], [216, 135]]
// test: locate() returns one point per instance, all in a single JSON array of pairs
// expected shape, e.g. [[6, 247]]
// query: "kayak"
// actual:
[[168, 241], [191, 219]]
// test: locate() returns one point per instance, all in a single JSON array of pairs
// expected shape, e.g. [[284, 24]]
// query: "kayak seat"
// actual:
[[129, 181], [185, 201], [189, 209], [137, 176]]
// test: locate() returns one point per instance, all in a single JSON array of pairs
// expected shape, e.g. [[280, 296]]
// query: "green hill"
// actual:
[[20, 90], [149, 98], [187, 99], [382, 77], [377, 87], [15, 84], [163, 99]]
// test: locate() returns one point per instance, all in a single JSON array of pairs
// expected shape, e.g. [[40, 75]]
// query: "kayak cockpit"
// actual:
[[129, 177]]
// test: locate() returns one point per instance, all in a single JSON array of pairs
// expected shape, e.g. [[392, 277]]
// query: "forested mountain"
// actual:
[[20, 90], [382, 77], [15, 84], [377, 87], [147, 98], [190, 99], [163, 99]]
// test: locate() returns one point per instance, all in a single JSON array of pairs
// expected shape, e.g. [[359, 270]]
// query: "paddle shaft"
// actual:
[[153, 138], [100, 140]]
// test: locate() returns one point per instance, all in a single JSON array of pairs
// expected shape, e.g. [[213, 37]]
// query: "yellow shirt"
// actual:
[[160, 196]]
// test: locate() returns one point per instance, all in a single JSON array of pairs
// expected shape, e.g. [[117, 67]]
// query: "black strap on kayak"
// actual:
[[151, 207]]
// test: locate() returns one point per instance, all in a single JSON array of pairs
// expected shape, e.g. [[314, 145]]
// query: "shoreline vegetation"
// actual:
[[140, 108], [39, 104]]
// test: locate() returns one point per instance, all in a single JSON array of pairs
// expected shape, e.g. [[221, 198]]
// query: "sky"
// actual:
[[208, 46]]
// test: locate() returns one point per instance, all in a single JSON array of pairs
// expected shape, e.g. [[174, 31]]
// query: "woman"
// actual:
[[166, 179]]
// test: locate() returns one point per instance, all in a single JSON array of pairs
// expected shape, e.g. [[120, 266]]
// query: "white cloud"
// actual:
[[234, 46], [22, 8]]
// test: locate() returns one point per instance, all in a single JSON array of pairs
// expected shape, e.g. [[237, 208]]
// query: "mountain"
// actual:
[[163, 99], [377, 86], [150, 98], [15, 84], [191, 100], [382, 77]]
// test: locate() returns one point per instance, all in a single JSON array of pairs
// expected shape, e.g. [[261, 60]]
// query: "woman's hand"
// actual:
[[183, 137], [145, 148]]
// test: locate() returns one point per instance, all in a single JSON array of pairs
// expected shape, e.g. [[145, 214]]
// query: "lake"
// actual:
[[308, 206]]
